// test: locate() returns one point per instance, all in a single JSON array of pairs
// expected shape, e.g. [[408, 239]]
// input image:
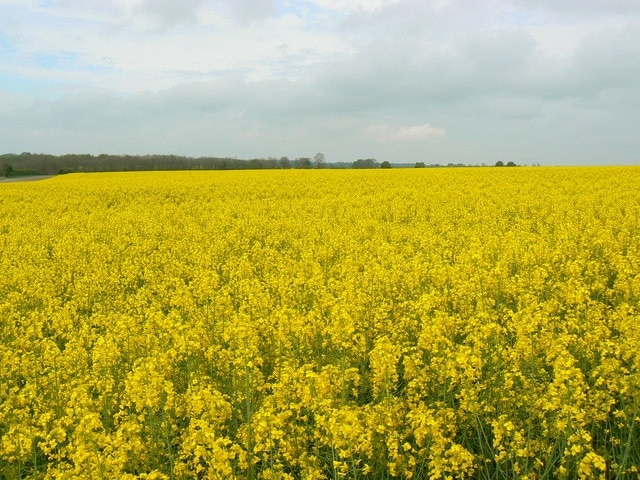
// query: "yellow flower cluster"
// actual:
[[408, 323]]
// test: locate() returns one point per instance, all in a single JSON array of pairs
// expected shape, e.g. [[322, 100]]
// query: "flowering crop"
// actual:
[[415, 323]]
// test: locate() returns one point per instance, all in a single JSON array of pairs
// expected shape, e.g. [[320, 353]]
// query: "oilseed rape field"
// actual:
[[477, 323]]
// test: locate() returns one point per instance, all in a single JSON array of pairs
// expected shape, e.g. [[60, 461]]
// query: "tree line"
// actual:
[[25, 163]]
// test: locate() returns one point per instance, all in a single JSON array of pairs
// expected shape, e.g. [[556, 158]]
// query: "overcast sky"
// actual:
[[440, 81]]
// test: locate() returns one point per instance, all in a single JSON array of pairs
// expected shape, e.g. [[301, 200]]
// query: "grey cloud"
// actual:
[[581, 7], [428, 56], [171, 12], [174, 12], [609, 59], [502, 66], [396, 73], [424, 20], [278, 100], [499, 52], [208, 97], [252, 10]]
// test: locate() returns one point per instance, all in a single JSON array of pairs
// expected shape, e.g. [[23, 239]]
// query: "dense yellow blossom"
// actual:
[[414, 323]]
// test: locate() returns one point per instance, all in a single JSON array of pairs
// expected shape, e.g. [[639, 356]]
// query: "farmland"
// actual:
[[415, 323]]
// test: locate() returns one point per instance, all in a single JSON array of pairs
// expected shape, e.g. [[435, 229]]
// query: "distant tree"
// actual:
[[511, 164], [365, 163], [420, 165], [385, 164], [271, 163], [7, 170], [256, 163], [285, 162], [303, 162], [499, 163], [319, 160]]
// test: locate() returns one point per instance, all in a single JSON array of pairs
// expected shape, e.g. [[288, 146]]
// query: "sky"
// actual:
[[550, 82]]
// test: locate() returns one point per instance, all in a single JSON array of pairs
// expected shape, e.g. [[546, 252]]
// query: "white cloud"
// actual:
[[582, 7], [351, 5], [124, 50], [388, 133]]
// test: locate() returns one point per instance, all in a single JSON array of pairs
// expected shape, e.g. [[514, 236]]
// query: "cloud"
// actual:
[[608, 58], [252, 10], [582, 7], [169, 12], [388, 133], [175, 12], [351, 5], [281, 77]]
